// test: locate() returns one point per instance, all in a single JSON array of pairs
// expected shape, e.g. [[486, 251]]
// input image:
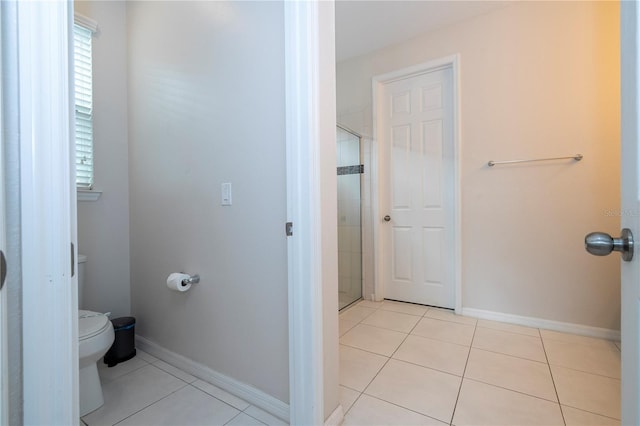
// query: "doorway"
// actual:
[[350, 169], [417, 222]]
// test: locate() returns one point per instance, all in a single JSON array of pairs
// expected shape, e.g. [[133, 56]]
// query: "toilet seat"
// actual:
[[91, 324]]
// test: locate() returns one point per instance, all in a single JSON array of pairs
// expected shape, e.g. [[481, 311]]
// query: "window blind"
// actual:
[[83, 106]]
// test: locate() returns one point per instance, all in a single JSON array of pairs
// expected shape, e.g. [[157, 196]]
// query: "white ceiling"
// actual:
[[363, 26]]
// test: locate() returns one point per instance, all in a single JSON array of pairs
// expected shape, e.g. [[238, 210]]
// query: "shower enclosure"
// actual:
[[350, 170]]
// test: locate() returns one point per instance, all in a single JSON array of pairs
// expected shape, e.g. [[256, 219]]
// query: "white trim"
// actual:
[[565, 327], [242, 390], [88, 194], [336, 418], [50, 310], [4, 367], [304, 107], [86, 22], [378, 81]]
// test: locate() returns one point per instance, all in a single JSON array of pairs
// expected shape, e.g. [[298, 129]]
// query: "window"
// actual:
[[83, 106]]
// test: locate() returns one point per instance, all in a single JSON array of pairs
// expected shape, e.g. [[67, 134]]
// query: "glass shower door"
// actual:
[[349, 227]]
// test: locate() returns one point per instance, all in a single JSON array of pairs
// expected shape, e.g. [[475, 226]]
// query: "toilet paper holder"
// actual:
[[193, 279]]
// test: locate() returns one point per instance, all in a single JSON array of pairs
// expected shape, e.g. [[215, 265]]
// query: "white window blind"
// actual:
[[83, 106]]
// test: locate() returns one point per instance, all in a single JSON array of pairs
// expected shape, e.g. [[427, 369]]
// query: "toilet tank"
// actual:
[[82, 259]]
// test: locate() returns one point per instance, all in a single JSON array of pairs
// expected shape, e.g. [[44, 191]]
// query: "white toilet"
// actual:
[[95, 335]]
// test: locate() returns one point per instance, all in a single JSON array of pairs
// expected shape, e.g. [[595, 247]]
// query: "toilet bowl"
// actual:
[[95, 337]]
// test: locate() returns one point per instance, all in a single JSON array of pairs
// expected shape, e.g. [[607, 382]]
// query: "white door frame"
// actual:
[[4, 370], [378, 83], [47, 210], [311, 207]]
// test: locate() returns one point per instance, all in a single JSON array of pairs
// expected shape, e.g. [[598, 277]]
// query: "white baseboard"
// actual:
[[335, 418], [244, 391], [565, 327]]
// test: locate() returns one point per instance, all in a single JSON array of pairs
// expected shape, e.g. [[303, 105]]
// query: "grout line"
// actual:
[[587, 372], [404, 408], [590, 412], [171, 374], [513, 332], [511, 355], [511, 390], [354, 403], [388, 359], [244, 412], [555, 388], [123, 374], [153, 403], [463, 373]]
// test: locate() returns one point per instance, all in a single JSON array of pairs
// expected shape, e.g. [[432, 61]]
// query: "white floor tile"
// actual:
[[443, 356], [447, 331], [521, 375], [448, 315], [347, 398], [244, 420], [264, 417], [358, 368], [131, 393], [405, 308], [482, 404], [188, 406], [519, 345], [356, 313], [145, 356], [175, 371], [513, 328], [574, 338], [416, 388], [591, 359], [392, 320], [575, 417], [108, 374], [373, 339], [370, 304], [369, 411], [222, 395], [345, 325], [588, 392]]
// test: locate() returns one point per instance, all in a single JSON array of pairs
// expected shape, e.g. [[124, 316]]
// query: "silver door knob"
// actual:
[[387, 218], [602, 244]]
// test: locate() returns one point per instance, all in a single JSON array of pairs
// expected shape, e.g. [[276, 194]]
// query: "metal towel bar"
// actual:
[[576, 157]]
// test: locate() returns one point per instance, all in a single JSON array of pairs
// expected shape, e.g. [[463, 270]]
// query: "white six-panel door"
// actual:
[[417, 189]]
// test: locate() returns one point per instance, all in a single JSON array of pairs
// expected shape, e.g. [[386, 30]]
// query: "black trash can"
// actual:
[[124, 345]]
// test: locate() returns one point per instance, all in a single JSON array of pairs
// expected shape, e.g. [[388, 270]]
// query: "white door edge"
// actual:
[[49, 308], [630, 277], [4, 371], [310, 125], [378, 82]]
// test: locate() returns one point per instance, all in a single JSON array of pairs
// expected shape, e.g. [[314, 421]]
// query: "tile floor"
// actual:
[[147, 391], [404, 364]]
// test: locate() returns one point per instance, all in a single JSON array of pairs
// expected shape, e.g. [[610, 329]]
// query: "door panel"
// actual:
[[416, 171]]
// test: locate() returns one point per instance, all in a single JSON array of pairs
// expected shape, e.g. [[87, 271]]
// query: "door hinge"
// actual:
[[289, 229], [3, 269], [73, 261]]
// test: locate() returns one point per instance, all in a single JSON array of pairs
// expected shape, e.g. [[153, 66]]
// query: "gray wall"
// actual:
[[206, 105], [103, 225], [538, 79]]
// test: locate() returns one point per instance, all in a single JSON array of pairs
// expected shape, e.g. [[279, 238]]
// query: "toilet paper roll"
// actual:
[[174, 282]]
